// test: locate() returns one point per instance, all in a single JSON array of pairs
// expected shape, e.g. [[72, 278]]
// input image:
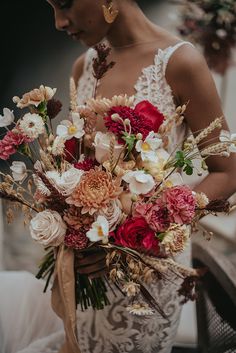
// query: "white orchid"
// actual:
[[19, 171], [74, 128], [225, 136], [149, 147], [139, 182], [7, 118], [99, 230]]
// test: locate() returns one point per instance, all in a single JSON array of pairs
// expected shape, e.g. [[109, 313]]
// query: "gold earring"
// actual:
[[109, 13]]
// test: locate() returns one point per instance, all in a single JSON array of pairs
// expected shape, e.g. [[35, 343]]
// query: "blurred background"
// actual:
[[34, 53]]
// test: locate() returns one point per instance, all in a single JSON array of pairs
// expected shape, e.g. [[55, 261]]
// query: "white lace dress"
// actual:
[[112, 330]]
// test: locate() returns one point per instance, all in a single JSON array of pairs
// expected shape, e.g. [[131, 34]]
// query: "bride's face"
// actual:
[[83, 20]]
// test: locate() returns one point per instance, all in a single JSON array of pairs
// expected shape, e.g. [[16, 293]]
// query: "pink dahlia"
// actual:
[[135, 233], [76, 239], [180, 204]]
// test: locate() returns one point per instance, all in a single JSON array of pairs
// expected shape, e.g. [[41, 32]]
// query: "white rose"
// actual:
[[67, 181], [102, 146], [112, 213], [19, 171], [48, 228], [139, 182]]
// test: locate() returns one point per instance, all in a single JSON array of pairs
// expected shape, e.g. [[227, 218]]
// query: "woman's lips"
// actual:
[[75, 35]]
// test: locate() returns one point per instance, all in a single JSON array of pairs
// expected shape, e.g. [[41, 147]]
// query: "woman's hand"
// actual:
[[92, 262]]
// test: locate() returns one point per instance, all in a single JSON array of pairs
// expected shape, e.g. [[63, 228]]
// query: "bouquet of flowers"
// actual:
[[212, 24], [118, 190]]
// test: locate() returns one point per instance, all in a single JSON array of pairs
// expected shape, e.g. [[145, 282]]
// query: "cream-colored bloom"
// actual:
[[32, 125], [7, 118], [74, 128], [156, 169], [35, 97], [58, 146], [141, 309], [225, 136], [19, 171], [40, 186], [102, 147], [176, 238], [48, 228], [149, 147], [139, 182], [102, 105], [112, 213], [131, 288], [201, 199], [99, 230], [66, 182]]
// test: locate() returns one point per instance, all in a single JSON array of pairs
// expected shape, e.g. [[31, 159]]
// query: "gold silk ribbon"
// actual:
[[63, 298]]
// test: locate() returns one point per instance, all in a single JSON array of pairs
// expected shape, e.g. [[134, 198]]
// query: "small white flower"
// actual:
[[131, 288], [99, 230], [141, 309], [7, 118], [74, 128], [221, 33], [66, 182], [139, 182], [102, 147], [58, 146], [48, 228], [19, 171], [149, 146], [225, 136], [32, 125]]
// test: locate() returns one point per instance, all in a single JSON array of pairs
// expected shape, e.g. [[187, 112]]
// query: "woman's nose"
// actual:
[[61, 21]]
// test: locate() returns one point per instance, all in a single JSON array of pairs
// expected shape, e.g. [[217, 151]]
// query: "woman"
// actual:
[[151, 64]]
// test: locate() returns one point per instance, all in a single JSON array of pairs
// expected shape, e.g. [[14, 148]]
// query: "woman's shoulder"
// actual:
[[185, 60]]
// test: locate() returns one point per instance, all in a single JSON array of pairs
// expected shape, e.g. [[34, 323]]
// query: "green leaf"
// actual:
[[129, 140]]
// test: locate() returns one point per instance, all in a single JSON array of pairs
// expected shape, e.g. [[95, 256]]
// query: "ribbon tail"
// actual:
[[63, 298]]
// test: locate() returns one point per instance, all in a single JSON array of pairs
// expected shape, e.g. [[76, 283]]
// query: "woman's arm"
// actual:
[[191, 81]]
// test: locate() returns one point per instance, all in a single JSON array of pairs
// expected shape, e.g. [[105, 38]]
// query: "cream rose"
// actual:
[[112, 213], [102, 147], [48, 228]]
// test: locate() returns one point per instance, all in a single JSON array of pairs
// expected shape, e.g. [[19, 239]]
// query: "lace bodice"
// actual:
[[151, 85]]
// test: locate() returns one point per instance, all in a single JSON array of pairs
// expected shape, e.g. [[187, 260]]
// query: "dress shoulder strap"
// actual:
[[171, 50]]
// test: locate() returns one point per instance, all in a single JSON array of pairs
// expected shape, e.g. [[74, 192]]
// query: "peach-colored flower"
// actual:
[[95, 190], [176, 238], [35, 97], [90, 119]]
